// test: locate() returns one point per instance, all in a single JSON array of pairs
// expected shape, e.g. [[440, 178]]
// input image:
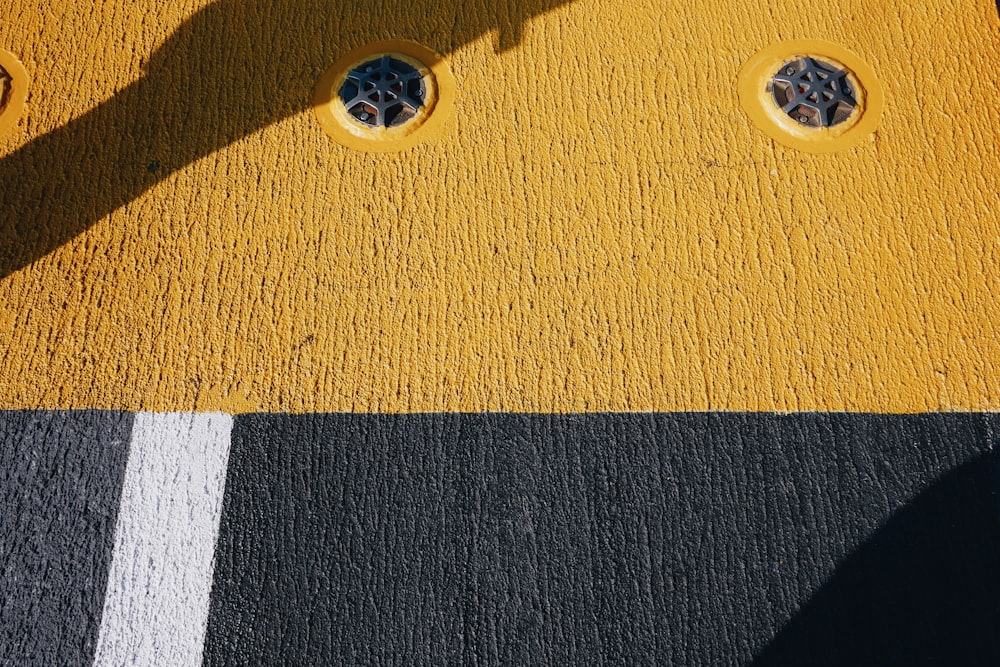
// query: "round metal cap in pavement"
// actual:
[[812, 95], [13, 90], [386, 96]]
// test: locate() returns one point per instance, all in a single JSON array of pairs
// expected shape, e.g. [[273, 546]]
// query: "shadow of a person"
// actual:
[[232, 69]]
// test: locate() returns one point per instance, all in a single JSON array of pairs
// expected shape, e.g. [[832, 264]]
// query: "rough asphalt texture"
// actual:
[[688, 539], [60, 481]]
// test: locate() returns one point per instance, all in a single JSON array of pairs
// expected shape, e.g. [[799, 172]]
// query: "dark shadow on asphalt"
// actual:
[[925, 590], [232, 69]]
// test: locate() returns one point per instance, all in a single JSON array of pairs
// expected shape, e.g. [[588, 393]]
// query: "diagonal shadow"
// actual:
[[232, 69], [924, 590]]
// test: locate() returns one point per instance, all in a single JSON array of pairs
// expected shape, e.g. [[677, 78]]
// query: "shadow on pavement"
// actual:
[[924, 590], [232, 69]]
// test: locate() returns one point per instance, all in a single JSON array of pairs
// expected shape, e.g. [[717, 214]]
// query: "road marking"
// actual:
[[156, 605]]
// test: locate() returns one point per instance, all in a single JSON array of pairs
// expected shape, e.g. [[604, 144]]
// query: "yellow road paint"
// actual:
[[598, 227]]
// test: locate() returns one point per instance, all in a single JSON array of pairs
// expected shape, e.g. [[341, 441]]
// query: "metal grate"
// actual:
[[384, 92], [6, 87], [814, 93]]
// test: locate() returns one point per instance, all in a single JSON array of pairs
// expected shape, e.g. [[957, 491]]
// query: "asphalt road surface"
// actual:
[[685, 538]]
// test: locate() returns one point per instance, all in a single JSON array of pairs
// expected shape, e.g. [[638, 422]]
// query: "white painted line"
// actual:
[[156, 605]]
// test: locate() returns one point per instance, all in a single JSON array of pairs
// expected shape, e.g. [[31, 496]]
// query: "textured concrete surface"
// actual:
[[600, 228]]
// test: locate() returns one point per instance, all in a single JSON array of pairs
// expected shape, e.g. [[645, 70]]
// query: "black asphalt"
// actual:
[[686, 539], [61, 476]]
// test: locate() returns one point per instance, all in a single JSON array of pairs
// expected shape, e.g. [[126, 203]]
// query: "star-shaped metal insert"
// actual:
[[813, 93], [6, 88], [384, 92]]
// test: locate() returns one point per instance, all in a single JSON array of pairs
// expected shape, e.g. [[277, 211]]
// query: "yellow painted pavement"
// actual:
[[598, 226]]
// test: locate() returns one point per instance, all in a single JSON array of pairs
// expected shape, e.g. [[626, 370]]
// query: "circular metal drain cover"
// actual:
[[385, 96], [384, 92], [13, 90], [813, 93], [6, 88]]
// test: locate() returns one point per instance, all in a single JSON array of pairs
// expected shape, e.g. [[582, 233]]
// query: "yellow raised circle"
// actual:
[[426, 124], [757, 102], [12, 101]]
